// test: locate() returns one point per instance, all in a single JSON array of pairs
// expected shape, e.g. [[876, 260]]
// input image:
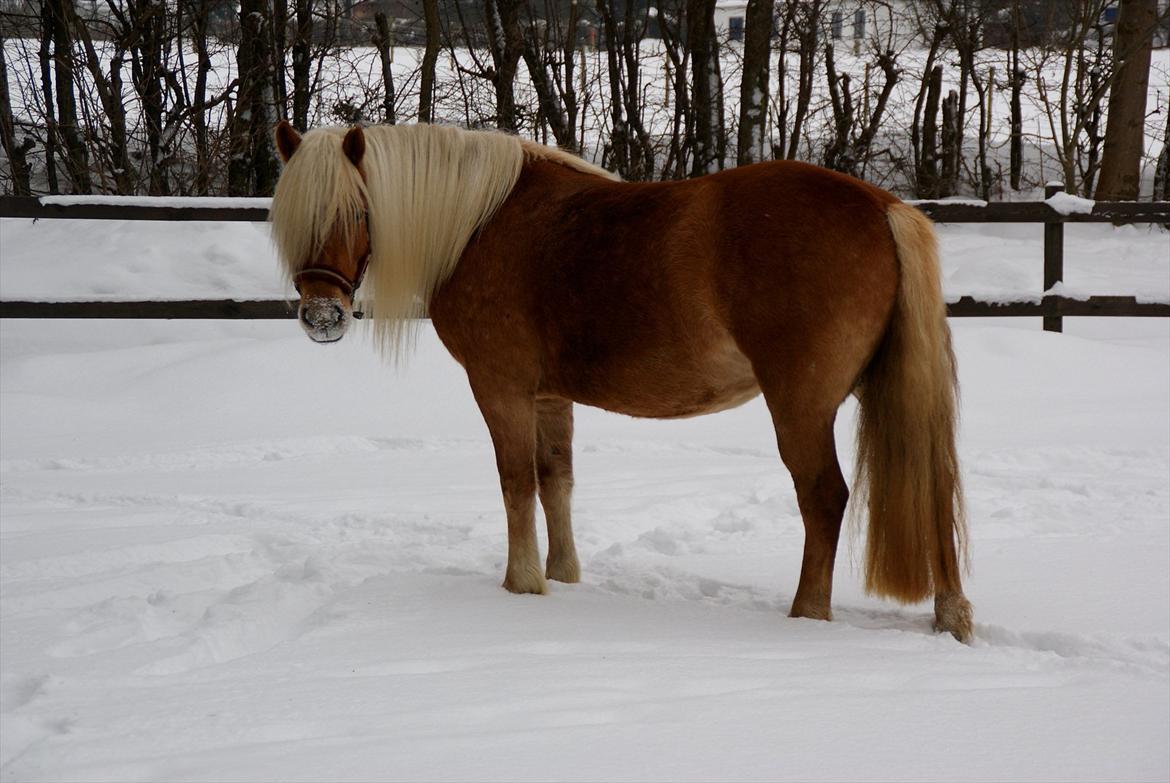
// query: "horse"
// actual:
[[552, 282]]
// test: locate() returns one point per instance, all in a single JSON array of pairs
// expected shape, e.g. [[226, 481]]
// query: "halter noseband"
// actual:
[[324, 273]]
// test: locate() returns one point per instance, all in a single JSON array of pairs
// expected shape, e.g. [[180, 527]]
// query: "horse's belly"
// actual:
[[674, 383]]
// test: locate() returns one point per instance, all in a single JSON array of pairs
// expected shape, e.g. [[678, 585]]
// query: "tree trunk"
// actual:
[[705, 87], [568, 89], [641, 150], [426, 96], [782, 102], [753, 90], [506, 44], [672, 28], [44, 57], [807, 26], [147, 17], [199, 34], [928, 176], [837, 151], [278, 44], [1125, 129], [302, 55], [1016, 79], [1162, 170], [109, 90], [383, 42], [17, 153], [619, 135], [949, 178], [252, 169], [917, 124], [76, 156], [546, 95]]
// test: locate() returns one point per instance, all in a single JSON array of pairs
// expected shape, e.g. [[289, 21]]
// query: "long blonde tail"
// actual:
[[906, 458]]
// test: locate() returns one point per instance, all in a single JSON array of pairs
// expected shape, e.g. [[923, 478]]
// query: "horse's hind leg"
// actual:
[[952, 610], [511, 420], [554, 473], [809, 452]]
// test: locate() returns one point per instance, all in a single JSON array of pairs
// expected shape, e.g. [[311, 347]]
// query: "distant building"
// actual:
[[860, 25], [405, 12], [855, 24]]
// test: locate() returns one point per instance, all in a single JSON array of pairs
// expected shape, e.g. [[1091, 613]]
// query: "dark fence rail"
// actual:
[[20, 207], [938, 211], [186, 309], [1052, 213]]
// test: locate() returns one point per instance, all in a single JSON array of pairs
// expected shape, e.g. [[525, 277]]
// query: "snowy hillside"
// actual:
[[229, 553]]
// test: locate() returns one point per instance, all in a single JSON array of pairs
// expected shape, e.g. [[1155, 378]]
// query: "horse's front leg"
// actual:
[[511, 420]]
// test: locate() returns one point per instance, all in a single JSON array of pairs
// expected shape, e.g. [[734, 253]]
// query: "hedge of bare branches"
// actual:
[[931, 98]]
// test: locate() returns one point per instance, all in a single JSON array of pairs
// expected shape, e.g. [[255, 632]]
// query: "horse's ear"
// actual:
[[287, 140], [354, 145]]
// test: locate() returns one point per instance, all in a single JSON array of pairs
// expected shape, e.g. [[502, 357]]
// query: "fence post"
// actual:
[[1053, 257]]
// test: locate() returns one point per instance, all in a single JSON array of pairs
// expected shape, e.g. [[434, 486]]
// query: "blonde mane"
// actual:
[[427, 188]]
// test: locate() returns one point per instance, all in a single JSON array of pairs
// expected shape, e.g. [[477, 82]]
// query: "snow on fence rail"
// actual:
[[1056, 210]]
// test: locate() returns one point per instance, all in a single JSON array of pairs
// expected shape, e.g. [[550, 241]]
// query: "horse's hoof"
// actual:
[[525, 581], [811, 612], [953, 614], [568, 571], [812, 605]]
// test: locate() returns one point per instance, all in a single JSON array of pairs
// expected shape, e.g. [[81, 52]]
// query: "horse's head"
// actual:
[[326, 259]]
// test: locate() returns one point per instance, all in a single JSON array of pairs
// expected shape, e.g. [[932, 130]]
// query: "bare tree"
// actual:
[[630, 152], [383, 42], [964, 23], [76, 155], [806, 22], [672, 28], [1017, 77], [753, 92], [1162, 168], [506, 46], [200, 13], [108, 85], [707, 138], [302, 63], [17, 153], [426, 92], [950, 155], [1121, 159], [44, 59], [849, 146], [1071, 107], [924, 129], [252, 168], [542, 56], [147, 18]]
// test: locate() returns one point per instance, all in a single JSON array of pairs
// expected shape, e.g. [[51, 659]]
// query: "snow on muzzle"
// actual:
[[324, 318]]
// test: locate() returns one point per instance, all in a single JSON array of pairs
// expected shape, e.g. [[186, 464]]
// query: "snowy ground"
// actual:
[[228, 553]]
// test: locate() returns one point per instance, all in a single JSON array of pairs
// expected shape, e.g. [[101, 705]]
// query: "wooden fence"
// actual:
[[1052, 308]]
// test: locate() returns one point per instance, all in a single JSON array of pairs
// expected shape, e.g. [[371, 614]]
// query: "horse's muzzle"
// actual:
[[324, 319]]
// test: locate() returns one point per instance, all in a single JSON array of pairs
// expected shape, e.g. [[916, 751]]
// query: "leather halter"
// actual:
[[324, 273]]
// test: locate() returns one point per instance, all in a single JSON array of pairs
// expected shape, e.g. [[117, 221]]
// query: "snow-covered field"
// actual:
[[227, 553]]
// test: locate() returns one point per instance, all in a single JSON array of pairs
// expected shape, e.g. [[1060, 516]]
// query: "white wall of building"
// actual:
[[863, 24]]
